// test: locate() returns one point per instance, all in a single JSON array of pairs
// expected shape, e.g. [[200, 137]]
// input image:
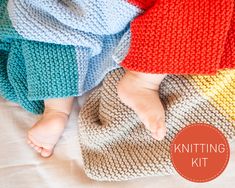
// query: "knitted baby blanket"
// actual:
[[182, 37], [57, 49], [116, 146]]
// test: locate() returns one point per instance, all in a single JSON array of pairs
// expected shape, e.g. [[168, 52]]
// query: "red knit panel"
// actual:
[[180, 37], [143, 4], [228, 58]]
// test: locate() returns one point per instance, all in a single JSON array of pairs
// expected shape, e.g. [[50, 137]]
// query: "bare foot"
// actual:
[[44, 135], [139, 91]]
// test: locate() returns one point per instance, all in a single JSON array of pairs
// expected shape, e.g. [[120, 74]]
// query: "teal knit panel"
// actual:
[[52, 70], [7, 91], [7, 32], [17, 76]]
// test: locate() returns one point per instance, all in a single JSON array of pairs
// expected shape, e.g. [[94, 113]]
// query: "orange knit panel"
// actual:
[[181, 37], [143, 4], [228, 58]]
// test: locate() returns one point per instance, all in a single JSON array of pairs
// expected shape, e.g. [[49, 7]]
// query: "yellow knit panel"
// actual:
[[219, 90]]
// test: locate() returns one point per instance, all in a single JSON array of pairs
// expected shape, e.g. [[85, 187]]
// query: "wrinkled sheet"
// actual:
[[21, 167]]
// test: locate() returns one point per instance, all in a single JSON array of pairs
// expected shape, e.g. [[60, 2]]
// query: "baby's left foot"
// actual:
[[139, 91]]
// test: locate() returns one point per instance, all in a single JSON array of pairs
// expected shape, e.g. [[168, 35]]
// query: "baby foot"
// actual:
[[139, 91], [44, 135]]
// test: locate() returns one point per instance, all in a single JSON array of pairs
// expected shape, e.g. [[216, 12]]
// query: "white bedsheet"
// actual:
[[21, 167]]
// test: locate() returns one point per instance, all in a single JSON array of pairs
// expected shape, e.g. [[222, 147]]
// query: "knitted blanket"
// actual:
[[116, 146], [54, 49], [182, 37]]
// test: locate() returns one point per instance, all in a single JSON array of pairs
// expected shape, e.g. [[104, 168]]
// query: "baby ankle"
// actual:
[[52, 111], [149, 81]]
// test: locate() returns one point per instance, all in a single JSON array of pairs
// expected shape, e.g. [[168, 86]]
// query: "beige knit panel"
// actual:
[[116, 146]]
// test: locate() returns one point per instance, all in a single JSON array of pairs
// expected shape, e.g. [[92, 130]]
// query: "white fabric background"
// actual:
[[20, 167]]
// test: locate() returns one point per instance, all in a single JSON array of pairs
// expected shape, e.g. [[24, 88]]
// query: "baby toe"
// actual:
[[29, 141], [34, 141], [32, 145], [46, 152], [153, 123], [159, 134], [38, 149]]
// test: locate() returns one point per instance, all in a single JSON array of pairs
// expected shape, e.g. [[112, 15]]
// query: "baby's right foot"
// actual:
[[44, 135], [139, 91]]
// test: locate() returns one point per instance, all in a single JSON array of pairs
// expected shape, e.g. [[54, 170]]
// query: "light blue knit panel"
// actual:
[[97, 25], [102, 63], [122, 48], [102, 17], [78, 22]]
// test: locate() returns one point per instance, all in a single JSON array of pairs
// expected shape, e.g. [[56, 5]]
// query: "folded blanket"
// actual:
[[116, 146]]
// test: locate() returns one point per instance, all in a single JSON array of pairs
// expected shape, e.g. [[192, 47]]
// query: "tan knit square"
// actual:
[[116, 146]]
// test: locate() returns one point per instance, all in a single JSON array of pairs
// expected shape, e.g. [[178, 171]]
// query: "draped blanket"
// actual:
[[54, 49]]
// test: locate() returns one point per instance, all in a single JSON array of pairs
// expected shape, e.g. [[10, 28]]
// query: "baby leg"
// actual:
[[139, 91], [44, 135]]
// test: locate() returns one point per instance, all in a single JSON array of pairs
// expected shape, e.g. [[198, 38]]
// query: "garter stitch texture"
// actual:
[[116, 146], [53, 49], [182, 37]]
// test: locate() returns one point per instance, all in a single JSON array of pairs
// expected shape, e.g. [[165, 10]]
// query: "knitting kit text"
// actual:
[[200, 152], [199, 148]]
